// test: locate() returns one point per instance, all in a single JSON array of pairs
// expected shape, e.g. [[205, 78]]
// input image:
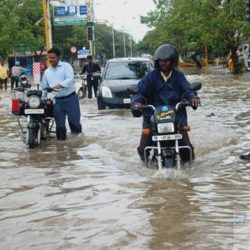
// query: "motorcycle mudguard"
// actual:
[[33, 125], [168, 158]]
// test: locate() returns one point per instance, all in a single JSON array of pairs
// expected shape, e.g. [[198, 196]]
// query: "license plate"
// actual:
[[164, 128], [127, 100], [33, 111], [166, 137]]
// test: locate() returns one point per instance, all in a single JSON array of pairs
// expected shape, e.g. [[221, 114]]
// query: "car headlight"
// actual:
[[164, 128], [106, 92], [34, 102]]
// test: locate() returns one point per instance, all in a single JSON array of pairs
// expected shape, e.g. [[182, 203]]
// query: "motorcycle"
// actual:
[[166, 133], [24, 81], [81, 86], [34, 114]]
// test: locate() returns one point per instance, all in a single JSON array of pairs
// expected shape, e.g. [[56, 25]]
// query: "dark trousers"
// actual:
[[67, 106], [185, 141], [90, 84], [3, 82], [14, 81]]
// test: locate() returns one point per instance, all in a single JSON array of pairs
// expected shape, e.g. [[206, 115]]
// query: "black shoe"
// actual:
[[245, 157], [61, 139], [141, 155]]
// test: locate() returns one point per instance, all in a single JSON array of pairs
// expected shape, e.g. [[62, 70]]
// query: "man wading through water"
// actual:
[[60, 77]]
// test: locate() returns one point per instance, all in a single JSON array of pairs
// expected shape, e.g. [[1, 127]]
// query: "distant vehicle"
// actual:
[[118, 75], [80, 85], [24, 81]]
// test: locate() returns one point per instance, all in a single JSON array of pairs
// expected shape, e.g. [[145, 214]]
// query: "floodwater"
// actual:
[[94, 193]]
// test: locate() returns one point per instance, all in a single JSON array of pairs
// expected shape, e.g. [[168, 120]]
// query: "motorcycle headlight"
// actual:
[[106, 92], [34, 102], [164, 128]]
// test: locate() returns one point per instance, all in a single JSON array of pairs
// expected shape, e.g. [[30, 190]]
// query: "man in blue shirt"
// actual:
[[60, 77], [165, 85]]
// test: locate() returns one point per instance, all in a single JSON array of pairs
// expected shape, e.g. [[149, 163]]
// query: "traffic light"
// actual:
[[90, 33], [247, 4]]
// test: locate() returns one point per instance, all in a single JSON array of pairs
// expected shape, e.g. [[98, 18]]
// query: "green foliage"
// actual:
[[17, 20], [192, 25], [104, 41], [19, 25], [64, 37]]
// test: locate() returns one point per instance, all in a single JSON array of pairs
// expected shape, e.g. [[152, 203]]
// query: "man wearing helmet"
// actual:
[[165, 85]]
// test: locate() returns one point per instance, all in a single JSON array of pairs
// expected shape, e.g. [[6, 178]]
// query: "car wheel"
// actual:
[[100, 104]]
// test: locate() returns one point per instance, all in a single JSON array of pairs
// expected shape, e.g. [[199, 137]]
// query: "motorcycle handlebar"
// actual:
[[182, 104], [49, 89], [21, 89], [177, 106], [83, 76], [149, 106]]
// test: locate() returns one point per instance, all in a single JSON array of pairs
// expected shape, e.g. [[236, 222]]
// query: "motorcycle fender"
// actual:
[[33, 125]]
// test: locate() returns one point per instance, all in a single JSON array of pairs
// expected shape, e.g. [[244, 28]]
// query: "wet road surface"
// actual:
[[94, 193]]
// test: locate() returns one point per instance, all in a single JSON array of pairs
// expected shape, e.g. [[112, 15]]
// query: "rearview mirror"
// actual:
[[132, 90], [195, 86]]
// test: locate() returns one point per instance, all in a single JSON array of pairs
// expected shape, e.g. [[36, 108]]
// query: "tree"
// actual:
[[18, 20], [19, 25], [192, 25]]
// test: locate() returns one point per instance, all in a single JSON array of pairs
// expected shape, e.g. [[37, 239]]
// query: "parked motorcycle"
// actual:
[[34, 114], [81, 86], [166, 133]]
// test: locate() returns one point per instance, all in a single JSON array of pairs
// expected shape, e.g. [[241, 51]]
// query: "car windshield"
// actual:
[[128, 70]]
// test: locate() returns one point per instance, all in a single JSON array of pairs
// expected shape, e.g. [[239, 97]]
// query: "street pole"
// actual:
[[124, 43], [111, 23], [124, 40], [113, 39], [90, 19], [47, 25], [131, 49], [206, 57]]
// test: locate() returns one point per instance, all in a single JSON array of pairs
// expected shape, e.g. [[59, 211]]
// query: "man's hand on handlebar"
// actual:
[[195, 101], [138, 106], [57, 86]]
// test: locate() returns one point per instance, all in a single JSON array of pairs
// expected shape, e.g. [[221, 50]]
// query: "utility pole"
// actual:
[[131, 46], [113, 40], [124, 43], [47, 24], [91, 33], [206, 56]]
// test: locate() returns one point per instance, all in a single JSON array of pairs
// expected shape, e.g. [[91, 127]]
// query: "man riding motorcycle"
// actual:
[[165, 85]]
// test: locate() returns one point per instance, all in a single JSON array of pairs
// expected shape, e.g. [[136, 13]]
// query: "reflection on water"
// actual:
[[93, 192]]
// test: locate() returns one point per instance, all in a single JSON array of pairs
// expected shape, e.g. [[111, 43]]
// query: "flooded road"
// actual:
[[94, 193]]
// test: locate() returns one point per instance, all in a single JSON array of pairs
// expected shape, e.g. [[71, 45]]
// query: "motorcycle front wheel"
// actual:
[[32, 137], [168, 158]]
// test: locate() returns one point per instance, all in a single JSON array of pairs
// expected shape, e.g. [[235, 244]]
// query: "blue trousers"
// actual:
[[67, 106]]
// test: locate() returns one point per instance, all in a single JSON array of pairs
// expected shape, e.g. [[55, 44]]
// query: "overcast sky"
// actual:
[[124, 13]]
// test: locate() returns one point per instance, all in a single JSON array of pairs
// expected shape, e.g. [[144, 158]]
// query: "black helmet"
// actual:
[[167, 51]]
